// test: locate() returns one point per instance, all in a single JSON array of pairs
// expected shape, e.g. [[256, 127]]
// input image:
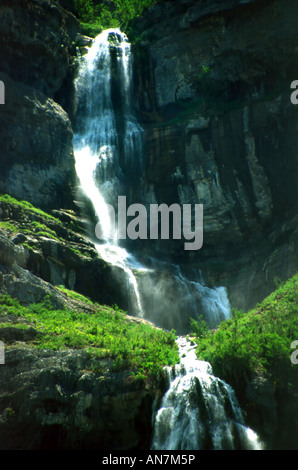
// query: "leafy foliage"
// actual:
[[106, 333], [259, 340], [199, 327], [96, 15]]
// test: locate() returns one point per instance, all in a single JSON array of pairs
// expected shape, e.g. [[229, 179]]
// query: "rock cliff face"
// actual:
[[61, 399], [36, 66], [36, 159], [51, 399], [213, 90]]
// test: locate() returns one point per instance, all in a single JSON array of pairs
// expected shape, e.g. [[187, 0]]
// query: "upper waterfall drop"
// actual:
[[108, 150], [95, 140], [107, 141]]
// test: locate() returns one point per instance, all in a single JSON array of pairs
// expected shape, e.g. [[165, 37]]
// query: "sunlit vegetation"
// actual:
[[257, 341], [74, 295], [106, 333], [96, 16], [21, 217], [6, 198]]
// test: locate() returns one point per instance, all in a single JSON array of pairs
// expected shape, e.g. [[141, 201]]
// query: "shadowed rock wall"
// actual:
[[36, 66], [212, 83]]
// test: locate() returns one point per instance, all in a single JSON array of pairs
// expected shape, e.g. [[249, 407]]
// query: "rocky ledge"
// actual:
[[39, 251]]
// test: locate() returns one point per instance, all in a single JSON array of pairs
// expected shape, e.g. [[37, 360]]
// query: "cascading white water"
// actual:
[[214, 302], [199, 411], [107, 145], [96, 142], [108, 154]]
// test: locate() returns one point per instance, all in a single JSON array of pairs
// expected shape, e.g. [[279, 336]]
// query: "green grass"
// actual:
[[6, 198], [104, 334], [256, 341], [34, 224], [74, 295], [7, 226], [33, 228]]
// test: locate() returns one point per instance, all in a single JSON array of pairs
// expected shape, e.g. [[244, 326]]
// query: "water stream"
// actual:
[[96, 143], [199, 410]]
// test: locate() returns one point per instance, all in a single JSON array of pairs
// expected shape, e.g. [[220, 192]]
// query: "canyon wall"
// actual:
[[212, 84], [36, 66]]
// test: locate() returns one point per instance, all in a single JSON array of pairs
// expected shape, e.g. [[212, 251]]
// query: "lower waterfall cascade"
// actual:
[[199, 410]]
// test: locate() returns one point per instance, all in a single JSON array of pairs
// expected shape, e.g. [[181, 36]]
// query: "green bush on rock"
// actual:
[[256, 341], [96, 16]]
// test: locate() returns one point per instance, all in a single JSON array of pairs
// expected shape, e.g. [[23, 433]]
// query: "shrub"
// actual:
[[258, 340], [96, 16]]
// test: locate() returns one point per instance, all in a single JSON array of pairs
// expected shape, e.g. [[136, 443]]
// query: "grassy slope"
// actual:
[[258, 341], [106, 333]]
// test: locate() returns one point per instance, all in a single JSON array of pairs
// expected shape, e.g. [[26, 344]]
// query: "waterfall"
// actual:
[[213, 302], [108, 153], [199, 410], [97, 142]]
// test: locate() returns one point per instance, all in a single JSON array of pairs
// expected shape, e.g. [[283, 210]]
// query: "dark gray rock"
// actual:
[[36, 38], [65, 400], [37, 67], [36, 152], [213, 95]]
